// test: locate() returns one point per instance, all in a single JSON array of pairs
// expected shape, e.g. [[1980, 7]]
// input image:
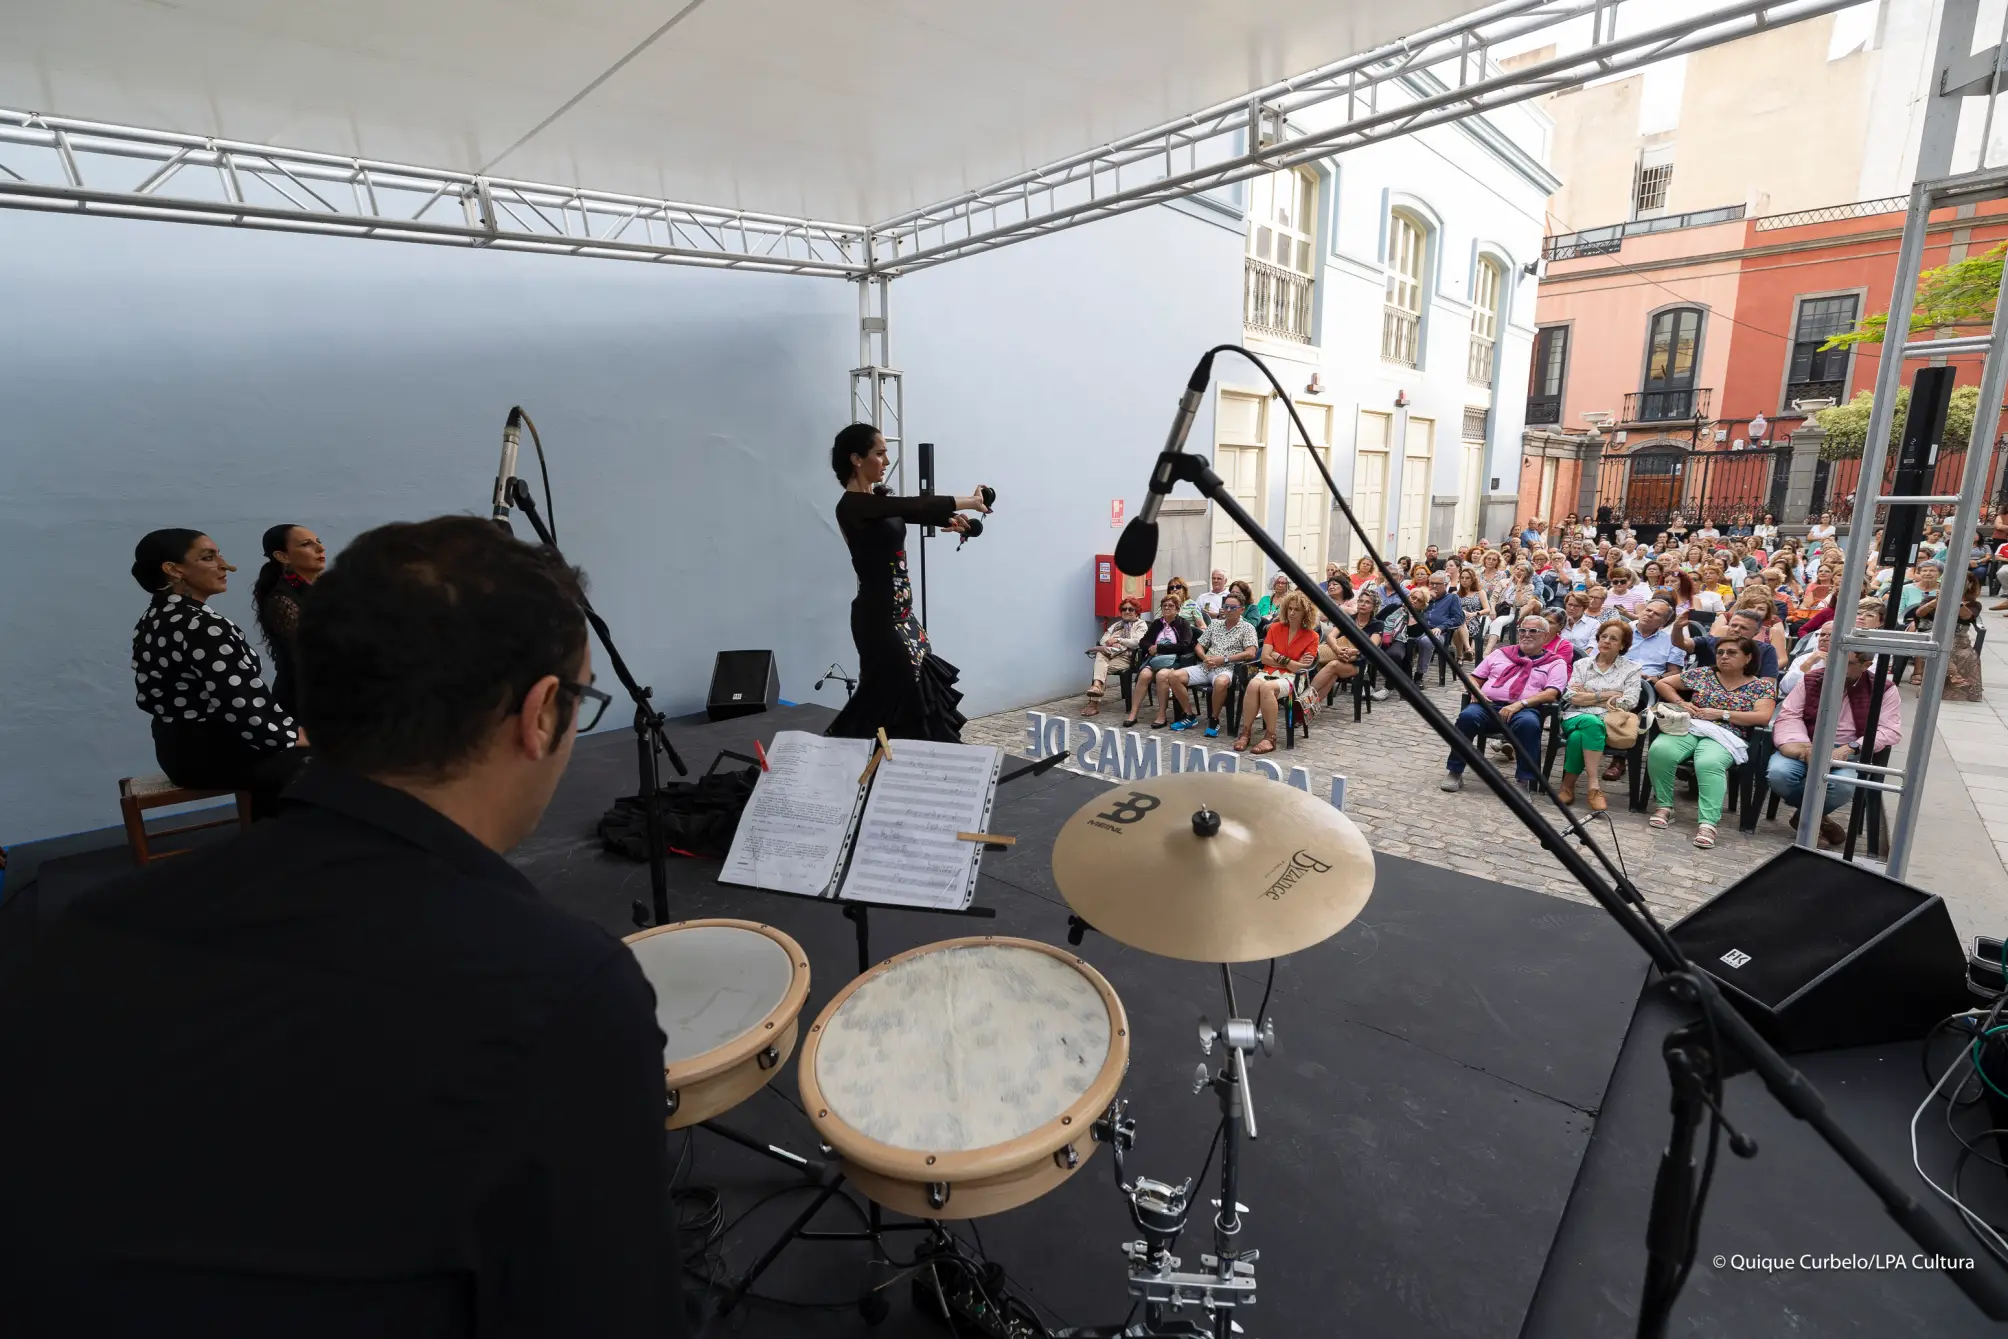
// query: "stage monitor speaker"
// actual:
[[1818, 953], [742, 682]]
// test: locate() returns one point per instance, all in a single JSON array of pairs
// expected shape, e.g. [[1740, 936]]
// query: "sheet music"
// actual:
[[796, 824], [906, 852]]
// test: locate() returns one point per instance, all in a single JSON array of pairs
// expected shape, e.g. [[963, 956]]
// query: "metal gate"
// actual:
[[1648, 486]]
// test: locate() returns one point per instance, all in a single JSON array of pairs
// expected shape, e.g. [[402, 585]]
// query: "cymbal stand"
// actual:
[[1157, 1278]]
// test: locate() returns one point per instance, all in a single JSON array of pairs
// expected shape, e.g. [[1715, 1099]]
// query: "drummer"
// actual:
[[347, 1073]]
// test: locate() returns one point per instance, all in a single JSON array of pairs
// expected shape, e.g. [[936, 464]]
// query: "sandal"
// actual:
[[1268, 745], [1241, 743], [1660, 818], [1704, 836], [1093, 708], [1597, 802]]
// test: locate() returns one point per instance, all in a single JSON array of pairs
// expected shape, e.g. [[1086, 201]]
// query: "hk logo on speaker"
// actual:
[[1736, 957]]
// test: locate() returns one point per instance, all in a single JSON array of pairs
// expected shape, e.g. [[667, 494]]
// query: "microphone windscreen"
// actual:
[[975, 526], [881, 490], [1137, 549]]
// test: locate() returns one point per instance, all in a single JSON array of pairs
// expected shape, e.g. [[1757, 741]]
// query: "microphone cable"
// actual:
[[1620, 878], [550, 511]]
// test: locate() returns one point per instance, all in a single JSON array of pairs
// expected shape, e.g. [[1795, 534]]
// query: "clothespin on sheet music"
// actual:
[[880, 749]]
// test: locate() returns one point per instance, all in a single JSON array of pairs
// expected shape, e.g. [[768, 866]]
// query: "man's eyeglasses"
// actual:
[[1226, 605], [592, 703]]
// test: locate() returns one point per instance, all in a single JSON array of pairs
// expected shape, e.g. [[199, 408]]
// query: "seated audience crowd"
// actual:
[[1704, 634]]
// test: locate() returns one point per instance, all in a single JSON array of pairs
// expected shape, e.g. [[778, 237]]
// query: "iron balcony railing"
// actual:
[[1543, 410], [1602, 241], [1675, 406], [1275, 302]]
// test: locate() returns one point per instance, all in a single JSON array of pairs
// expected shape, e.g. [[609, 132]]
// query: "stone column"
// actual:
[[1591, 453], [1806, 440]]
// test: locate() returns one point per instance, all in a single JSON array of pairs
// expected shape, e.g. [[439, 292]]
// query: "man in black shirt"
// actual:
[[1700, 647], [347, 1073]]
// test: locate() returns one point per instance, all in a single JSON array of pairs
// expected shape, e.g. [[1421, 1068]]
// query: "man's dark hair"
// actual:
[[853, 440], [421, 636]]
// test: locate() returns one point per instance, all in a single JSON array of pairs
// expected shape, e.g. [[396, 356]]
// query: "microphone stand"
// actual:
[[1702, 1059], [650, 737]]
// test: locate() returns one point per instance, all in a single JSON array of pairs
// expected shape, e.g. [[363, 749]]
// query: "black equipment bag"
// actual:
[[697, 818]]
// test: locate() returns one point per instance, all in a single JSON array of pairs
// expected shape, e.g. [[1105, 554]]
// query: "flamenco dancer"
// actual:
[[904, 688]]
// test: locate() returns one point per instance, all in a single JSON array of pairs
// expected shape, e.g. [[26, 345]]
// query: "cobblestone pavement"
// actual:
[[1392, 763]]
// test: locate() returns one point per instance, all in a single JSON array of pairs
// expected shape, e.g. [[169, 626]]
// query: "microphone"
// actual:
[[1137, 549], [512, 436], [975, 524]]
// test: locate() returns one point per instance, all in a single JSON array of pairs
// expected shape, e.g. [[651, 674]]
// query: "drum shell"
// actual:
[[979, 1181]]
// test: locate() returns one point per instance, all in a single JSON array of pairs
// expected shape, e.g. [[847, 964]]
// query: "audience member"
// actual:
[[1597, 683], [1112, 655], [1166, 644], [1227, 642], [1209, 603], [1516, 680], [1748, 623], [1289, 647], [1579, 629], [1722, 703], [1443, 612], [1962, 668], [1188, 608], [1266, 608], [1626, 593], [1792, 736]]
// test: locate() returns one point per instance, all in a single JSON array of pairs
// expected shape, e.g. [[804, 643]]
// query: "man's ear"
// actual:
[[538, 723]]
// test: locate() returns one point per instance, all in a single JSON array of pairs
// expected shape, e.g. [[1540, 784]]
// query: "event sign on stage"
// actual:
[[825, 822]]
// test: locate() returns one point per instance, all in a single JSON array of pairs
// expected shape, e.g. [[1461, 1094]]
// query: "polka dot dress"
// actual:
[[190, 664]]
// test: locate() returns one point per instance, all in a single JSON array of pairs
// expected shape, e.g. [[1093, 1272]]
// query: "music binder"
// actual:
[[841, 820]]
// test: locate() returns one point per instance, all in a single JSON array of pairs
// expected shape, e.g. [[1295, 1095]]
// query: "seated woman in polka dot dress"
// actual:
[[216, 725]]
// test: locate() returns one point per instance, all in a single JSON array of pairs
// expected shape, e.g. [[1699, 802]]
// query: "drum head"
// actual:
[[967, 1057], [718, 982]]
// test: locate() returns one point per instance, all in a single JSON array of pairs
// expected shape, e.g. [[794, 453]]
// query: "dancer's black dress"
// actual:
[[903, 687]]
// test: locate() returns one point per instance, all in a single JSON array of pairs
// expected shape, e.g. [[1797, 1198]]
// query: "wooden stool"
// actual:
[[137, 794]]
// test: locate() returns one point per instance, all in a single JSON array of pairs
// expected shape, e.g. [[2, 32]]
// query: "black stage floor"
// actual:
[[1427, 1164]]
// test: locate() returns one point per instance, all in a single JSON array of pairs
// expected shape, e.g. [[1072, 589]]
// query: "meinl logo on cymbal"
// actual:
[[1300, 864]]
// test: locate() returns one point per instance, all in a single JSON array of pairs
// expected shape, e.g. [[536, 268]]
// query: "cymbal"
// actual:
[[1213, 867]]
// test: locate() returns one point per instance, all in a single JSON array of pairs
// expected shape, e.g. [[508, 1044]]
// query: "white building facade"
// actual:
[[1392, 290]]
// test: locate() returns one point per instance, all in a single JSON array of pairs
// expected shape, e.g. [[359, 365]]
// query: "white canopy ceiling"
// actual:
[[847, 110]]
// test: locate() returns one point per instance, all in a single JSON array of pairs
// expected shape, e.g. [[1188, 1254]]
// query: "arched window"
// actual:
[[1282, 251], [1484, 321], [1401, 316]]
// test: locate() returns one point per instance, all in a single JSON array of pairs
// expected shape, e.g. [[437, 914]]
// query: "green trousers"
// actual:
[[1711, 769], [1581, 733]]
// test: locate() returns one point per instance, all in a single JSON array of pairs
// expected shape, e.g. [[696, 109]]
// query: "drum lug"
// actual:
[[1066, 1159], [768, 1058], [937, 1194], [670, 1102]]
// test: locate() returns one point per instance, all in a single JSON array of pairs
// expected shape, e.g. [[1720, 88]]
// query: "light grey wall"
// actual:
[[157, 375]]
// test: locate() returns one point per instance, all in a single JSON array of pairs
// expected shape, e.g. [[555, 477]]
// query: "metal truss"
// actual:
[[1443, 74], [61, 165]]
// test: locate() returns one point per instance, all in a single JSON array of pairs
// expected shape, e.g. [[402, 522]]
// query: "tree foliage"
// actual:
[[1847, 425], [1961, 293]]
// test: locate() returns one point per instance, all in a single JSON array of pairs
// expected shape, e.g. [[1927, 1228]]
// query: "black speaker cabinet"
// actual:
[[743, 682], [1820, 953]]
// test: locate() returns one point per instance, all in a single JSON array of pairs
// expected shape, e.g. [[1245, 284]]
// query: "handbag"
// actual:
[[1620, 728], [1673, 720]]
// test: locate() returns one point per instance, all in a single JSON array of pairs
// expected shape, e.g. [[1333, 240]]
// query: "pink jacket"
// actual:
[[1788, 726]]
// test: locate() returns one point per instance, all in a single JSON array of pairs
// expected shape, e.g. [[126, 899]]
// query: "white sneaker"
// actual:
[[1451, 781], [1378, 694]]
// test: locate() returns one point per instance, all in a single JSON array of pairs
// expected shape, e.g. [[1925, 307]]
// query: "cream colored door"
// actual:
[[1370, 478], [1470, 492], [1417, 452], [1240, 430], [1307, 504]]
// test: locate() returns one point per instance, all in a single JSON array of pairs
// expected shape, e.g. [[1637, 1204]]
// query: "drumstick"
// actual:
[[987, 838]]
